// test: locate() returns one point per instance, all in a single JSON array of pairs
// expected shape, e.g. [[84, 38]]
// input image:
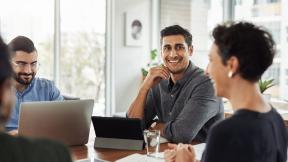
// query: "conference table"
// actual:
[[89, 152]]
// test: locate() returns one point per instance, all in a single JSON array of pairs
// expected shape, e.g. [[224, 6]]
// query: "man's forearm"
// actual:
[[136, 109]]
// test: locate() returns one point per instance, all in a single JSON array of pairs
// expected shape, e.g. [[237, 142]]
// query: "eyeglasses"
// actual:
[[23, 65]]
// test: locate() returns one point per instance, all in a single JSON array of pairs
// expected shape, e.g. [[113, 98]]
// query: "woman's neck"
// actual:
[[246, 95]]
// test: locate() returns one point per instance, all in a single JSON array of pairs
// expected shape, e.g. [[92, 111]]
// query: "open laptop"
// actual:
[[65, 121], [118, 133]]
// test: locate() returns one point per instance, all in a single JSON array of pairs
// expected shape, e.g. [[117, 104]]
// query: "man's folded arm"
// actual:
[[143, 108], [201, 107], [136, 109]]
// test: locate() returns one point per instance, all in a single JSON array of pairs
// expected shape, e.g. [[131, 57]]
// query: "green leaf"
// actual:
[[153, 54], [265, 84], [153, 62], [144, 72]]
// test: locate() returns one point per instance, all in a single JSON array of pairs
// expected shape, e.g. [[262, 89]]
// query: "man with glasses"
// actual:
[[177, 92], [24, 60]]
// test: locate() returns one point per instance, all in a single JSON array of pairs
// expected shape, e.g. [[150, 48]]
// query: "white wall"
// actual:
[[127, 60], [284, 53]]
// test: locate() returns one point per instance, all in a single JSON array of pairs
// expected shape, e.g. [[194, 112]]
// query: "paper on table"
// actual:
[[139, 158], [91, 160], [199, 149], [163, 140], [143, 158]]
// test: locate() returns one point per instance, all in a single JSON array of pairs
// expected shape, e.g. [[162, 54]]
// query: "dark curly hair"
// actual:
[[21, 43], [177, 30], [253, 46], [5, 65], [6, 70]]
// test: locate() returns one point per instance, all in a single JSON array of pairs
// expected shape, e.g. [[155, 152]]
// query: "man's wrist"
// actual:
[[158, 126], [144, 89]]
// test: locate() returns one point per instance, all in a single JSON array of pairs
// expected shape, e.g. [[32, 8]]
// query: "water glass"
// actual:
[[152, 140]]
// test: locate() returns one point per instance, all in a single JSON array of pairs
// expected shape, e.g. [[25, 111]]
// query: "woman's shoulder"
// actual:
[[233, 125], [249, 122], [21, 147]]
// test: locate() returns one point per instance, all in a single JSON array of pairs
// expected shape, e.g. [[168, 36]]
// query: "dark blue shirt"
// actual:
[[188, 108]]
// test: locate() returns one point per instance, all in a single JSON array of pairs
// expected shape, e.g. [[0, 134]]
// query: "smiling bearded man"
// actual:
[[178, 95], [24, 60]]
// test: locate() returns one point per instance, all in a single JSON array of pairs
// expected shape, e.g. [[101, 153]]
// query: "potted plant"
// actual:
[[153, 62], [264, 85]]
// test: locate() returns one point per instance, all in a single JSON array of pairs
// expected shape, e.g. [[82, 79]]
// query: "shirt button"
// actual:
[[172, 95], [170, 113]]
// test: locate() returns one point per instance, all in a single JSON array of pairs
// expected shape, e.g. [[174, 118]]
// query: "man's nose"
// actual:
[[28, 69], [173, 52]]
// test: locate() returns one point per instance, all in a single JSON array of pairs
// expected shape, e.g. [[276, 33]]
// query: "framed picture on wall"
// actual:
[[133, 29]]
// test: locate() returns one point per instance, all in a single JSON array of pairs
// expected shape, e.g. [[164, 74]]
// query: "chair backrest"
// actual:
[[66, 97]]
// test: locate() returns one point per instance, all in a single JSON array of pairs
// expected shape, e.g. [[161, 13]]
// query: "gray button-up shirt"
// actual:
[[188, 108]]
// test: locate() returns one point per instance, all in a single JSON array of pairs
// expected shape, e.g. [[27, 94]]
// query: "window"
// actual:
[[266, 13], [82, 42], [82, 56], [199, 17], [265, 1], [34, 21]]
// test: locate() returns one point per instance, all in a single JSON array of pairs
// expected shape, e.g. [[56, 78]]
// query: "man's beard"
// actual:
[[17, 77]]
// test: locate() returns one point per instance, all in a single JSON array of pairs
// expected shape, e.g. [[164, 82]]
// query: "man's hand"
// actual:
[[158, 126], [154, 76], [13, 132]]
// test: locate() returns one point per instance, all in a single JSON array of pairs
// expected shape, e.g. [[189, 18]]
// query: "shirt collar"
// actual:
[[28, 87], [188, 71]]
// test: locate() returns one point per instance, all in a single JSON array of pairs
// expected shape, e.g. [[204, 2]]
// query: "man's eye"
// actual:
[[180, 47], [166, 48], [21, 64]]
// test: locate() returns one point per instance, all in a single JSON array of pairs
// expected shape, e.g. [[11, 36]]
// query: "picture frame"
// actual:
[[133, 29]]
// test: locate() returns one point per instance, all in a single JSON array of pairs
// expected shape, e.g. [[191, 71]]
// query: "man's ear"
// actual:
[[190, 50]]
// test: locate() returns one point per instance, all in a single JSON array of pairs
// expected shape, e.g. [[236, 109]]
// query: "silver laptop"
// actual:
[[65, 121]]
